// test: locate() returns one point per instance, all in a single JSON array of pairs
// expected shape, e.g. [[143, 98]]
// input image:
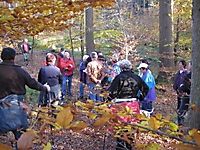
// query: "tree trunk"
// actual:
[[81, 36], [194, 119], [71, 42], [89, 37], [176, 40], [166, 36]]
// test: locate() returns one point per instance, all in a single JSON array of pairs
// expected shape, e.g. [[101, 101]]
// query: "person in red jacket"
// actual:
[[66, 65]]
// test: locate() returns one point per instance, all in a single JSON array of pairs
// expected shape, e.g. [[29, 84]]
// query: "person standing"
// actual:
[[26, 47], [94, 72], [67, 66], [148, 78], [51, 75], [184, 92], [127, 85], [83, 76], [13, 80], [178, 80]]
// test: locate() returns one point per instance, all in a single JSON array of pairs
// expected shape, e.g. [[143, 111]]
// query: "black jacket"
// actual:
[[51, 75], [128, 85], [13, 80]]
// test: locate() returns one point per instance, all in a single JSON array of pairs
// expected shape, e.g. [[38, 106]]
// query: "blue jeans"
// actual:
[[67, 85], [81, 89], [92, 95], [147, 105]]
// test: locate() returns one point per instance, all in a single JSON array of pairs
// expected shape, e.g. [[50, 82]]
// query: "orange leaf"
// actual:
[[25, 142], [196, 137]]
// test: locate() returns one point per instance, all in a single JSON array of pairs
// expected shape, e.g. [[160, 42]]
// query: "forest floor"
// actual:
[[90, 139]]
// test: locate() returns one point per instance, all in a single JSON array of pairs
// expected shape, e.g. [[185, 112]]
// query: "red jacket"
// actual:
[[66, 66]]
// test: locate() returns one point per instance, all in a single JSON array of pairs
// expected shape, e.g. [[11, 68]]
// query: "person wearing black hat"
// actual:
[[13, 80]]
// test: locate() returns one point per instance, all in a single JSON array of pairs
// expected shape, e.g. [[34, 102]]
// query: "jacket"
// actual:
[[13, 80], [66, 66], [128, 85], [51, 75]]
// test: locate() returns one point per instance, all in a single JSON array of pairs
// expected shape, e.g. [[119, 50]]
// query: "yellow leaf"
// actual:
[[5, 147], [26, 140], [47, 147], [158, 116], [154, 123], [64, 117], [192, 132], [91, 115], [101, 121], [78, 125], [173, 126]]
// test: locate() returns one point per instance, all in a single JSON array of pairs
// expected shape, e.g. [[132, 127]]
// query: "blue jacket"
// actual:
[[50, 74]]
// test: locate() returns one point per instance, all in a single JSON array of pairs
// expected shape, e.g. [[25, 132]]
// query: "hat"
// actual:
[[8, 53], [85, 57], [143, 65]]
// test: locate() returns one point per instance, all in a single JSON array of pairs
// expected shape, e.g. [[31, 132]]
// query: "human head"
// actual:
[[8, 53], [143, 67], [94, 56], [115, 58], [50, 58], [182, 64], [85, 57], [66, 54], [125, 65]]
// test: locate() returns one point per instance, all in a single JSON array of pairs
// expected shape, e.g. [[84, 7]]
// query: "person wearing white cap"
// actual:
[[82, 76], [146, 75]]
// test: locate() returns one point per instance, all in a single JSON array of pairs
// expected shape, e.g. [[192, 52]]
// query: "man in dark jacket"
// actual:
[[127, 85], [13, 79]]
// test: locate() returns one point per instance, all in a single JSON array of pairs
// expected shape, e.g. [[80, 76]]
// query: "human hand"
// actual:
[[47, 87]]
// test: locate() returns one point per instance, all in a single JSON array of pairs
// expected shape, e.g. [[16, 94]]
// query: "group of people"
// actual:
[[55, 79]]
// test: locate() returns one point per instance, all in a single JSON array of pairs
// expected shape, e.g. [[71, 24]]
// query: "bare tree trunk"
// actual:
[[81, 36], [176, 41], [71, 42], [89, 37], [194, 119], [166, 37]]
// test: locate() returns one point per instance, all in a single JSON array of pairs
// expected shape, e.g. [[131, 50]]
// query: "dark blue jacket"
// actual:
[[179, 78], [83, 75], [50, 74]]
